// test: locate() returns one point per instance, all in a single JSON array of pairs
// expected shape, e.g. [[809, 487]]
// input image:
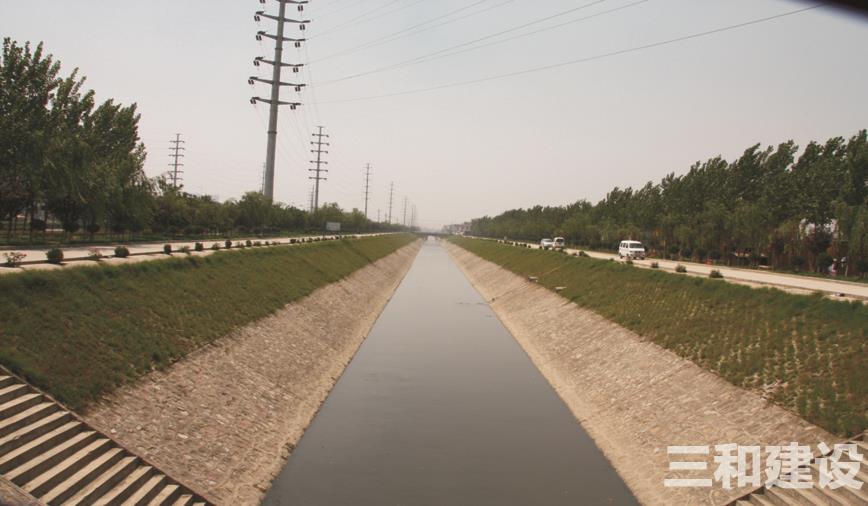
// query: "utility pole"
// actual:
[[319, 162], [176, 155], [310, 199], [367, 187], [391, 197], [275, 82], [405, 212], [378, 216], [413, 217]]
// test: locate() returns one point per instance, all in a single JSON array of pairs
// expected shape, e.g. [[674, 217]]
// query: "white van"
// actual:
[[558, 244], [631, 249], [546, 244]]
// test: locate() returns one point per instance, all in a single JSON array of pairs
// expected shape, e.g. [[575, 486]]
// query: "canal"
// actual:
[[441, 406]]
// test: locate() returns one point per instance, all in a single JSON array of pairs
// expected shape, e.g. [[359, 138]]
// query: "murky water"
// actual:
[[442, 406]]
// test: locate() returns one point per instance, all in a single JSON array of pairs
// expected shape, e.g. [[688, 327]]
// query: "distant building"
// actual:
[[457, 229]]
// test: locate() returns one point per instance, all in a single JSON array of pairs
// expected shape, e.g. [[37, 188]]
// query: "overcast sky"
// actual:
[[547, 137]]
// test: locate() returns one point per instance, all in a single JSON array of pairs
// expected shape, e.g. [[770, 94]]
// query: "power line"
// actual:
[[358, 19], [436, 55], [319, 162], [176, 165], [383, 40], [580, 60], [364, 20]]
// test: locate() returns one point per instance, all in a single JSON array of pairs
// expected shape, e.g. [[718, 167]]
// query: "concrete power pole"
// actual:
[[367, 187], [319, 162], [275, 82], [176, 154], [391, 198]]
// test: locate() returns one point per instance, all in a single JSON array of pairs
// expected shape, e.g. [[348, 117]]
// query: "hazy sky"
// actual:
[[547, 137]]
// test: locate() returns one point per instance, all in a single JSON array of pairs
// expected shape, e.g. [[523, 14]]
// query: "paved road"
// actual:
[[789, 282], [139, 251]]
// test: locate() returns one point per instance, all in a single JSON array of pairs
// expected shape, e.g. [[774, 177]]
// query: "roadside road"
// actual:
[[81, 255], [751, 277]]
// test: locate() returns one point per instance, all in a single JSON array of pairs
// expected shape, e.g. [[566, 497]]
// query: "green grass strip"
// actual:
[[806, 352], [78, 333]]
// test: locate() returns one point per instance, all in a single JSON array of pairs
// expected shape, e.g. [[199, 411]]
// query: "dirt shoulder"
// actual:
[[632, 396], [225, 418]]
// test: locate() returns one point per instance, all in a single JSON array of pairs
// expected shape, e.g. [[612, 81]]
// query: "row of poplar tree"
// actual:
[[768, 207], [70, 162]]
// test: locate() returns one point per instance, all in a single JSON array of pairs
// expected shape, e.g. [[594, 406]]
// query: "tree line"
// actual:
[[767, 207], [75, 165]]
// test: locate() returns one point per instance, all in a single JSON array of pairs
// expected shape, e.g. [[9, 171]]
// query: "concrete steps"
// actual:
[[56, 458], [815, 496]]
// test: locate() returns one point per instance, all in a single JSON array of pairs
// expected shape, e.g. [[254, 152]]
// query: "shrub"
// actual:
[[629, 261], [257, 243], [824, 260], [248, 243], [54, 255], [185, 249], [71, 226], [583, 254], [292, 241], [655, 265], [122, 252], [215, 246], [715, 274], [167, 249], [680, 268], [199, 247], [228, 244], [14, 258], [38, 225], [94, 254]]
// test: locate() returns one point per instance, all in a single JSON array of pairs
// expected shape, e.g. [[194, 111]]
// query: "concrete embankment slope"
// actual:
[[226, 417], [632, 396]]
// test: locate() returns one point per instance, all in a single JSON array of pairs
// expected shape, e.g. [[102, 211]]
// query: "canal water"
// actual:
[[441, 406]]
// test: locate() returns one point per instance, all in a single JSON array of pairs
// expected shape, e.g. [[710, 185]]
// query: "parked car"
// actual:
[[546, 244], [631, 249], [558, 244]]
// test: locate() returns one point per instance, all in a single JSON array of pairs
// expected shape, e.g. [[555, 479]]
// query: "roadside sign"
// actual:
[[333, 226]]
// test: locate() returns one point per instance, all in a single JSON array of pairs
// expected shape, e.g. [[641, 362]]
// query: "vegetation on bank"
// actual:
[[807, 354], [79, 333], [766, 207], [72, 169]]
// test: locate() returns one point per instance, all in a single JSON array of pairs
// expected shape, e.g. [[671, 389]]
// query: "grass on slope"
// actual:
[[806, 352], [78, 333]]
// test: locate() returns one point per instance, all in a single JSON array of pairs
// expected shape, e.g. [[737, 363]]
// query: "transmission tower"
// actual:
[[367, 187], [404, 222], [176, 148], [391, 198], [317, 177], [275, 82]]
